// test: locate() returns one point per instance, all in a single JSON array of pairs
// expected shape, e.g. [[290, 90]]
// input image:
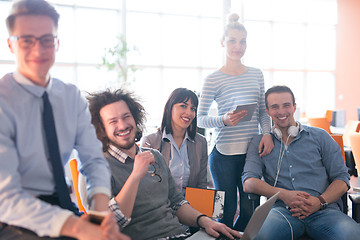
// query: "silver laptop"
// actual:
[[254, 225]]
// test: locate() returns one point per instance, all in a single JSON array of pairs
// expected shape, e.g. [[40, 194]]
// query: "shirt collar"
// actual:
[[118, 154], [22, 79], [30, 86], [168, 136], [301, 127]]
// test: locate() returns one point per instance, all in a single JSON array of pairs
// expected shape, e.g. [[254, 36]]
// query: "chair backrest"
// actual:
[[339, 139], [351, 127], [320, 123], [75, 176], [329, 115], [355, 147]]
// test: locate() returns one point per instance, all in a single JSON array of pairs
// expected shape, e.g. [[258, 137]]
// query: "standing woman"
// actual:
[[183, 148], [232, 85]]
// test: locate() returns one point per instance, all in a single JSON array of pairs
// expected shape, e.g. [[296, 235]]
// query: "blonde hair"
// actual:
[[233, 23]]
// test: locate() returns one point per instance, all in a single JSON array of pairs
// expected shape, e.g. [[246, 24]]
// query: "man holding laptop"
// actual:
[[307, 168]]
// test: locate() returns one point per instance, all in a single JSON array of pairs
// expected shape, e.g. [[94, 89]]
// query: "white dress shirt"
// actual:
[[25, 171]]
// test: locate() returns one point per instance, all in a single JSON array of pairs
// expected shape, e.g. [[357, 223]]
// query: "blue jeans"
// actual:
[[226, 172], [324, 224]]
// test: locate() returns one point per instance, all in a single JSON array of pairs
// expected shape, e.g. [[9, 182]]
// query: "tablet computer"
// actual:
[[250, 108]]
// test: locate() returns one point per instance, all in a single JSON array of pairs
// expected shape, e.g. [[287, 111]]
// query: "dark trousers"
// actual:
[[8, 232]]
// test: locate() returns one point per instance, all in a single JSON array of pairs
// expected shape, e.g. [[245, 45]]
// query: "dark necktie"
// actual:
[[54, 153]]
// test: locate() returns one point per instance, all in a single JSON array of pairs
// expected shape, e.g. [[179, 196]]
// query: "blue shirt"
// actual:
[[179, 162], [25, 171], [310, 163]]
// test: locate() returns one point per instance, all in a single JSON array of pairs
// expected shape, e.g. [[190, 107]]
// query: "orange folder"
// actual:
[[205, 200]]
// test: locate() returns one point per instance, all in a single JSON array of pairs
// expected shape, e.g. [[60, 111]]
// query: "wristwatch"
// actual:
[[323, 203]]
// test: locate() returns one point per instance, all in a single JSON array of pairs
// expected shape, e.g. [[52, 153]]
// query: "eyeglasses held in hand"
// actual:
[[154, 171], [29, 41]]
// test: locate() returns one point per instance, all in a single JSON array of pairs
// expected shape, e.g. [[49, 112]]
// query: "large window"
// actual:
[[292, 41]]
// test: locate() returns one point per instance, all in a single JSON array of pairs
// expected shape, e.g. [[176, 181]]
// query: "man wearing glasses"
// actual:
[[146, 202], [41, 121]]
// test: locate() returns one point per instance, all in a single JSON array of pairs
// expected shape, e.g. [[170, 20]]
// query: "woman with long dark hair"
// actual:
[[183, 148]]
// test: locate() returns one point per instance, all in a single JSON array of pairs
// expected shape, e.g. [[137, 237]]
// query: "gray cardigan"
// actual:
[[197, 152], [153, 216]]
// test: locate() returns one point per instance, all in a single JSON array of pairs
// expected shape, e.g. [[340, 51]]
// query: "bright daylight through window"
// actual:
[[178, 42]]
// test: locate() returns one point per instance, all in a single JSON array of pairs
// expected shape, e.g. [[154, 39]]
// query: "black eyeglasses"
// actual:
[[154, 171], [28, 41]]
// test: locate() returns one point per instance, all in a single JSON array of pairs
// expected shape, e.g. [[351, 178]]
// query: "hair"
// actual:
[[278, 89], [179, 95], [31, 7], [233, 23], [99, 100]]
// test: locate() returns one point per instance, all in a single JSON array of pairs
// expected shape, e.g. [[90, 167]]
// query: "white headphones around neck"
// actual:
[[293, 131]]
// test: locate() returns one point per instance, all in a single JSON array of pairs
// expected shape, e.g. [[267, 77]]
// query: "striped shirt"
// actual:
[[228, 91]]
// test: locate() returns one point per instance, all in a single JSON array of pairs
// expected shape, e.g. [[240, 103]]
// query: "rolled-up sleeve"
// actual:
[[332, 159], [121, 219], [253, 165]]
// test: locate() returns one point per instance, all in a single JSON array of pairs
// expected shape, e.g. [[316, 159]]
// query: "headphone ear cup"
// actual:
[[293, 131], [277, 133]]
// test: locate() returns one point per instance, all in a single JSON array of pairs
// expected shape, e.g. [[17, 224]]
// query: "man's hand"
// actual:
[[301, 204], [304, 209], [141, 164], [213, 228], [110, 227], [232, 118], [82, 229], [294, 199], [266, 145]]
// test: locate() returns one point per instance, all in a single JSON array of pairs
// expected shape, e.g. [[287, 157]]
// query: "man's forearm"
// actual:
[[100, 202], [334, 191], [187, 215], [257, 186], [127, 195]]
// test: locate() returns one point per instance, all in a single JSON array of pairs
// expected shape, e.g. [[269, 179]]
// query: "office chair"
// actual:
[[75, 176], [355, 198], [355, 146], [320, 123], [351, 127], [339, 140], [329, 115]]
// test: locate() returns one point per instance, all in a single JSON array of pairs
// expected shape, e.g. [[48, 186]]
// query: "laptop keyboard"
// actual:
[[223, 237]]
